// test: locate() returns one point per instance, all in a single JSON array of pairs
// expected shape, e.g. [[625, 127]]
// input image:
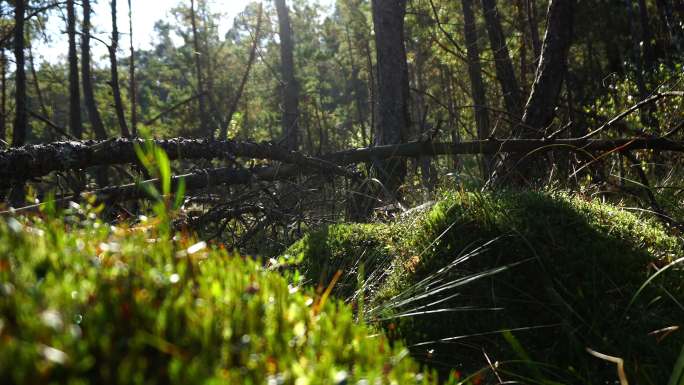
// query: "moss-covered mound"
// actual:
[[560, 274], [86, 303]]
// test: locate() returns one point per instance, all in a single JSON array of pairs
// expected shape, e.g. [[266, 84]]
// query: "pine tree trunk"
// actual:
[[534, 31], [19, 131], [204, 127], [133, 90], [540, 108], [88, 93], [290, 119], [523, 47], [476, 82], [3, 96], [356, 87], [646, 36], [114, 70], [75, 121], [393, 118], [505, 73], [36, 85]]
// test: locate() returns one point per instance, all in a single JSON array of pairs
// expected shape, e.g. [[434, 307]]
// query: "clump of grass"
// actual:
[[84, 302], [348, 248], [558, 273]]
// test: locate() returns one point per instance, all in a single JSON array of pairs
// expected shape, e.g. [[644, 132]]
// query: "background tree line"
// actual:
[[362, 74]]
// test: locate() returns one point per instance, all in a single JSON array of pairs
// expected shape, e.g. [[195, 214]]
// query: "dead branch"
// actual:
[[23, 163]]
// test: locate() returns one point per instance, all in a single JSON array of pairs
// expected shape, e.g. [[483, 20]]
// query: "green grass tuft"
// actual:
[[558, 271], [82, 302]]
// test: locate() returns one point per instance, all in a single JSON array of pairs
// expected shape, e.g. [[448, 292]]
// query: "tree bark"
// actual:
[[133, 90], [539, 110], [523, 46], [20, 128], [36, 84], [3, 95], [204, 126], [33, 161], [38, 160], [114, 69], [505, 73], [646, 36], [534, 31], [356, 87], [477, 88], [88, 93], [674, 30], [75, 121], [290, 118], [393, 118]]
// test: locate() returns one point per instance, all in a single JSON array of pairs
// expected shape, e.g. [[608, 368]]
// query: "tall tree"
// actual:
[[477, 88], [393, 118], [3, 95], [131, 74], [75, 121], [646, 36], [19, 131], [88, 94], [505, 73], [539, 110], [114, 70], [673, 31], [290, 85], [204, 126], [534, 31]]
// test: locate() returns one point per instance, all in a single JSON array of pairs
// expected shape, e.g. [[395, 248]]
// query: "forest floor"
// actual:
[[481, 288], [528, 280]]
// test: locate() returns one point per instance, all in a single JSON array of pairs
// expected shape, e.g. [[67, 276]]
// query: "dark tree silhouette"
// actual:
[[19, 131], [75, 121], [393, 117], [290, 119], [505, 73], [204, 126], [477, 88], [114, 69], [88, 94]]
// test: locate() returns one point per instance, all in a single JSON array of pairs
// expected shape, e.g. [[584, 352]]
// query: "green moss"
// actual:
[[347, 248], [88, 303], [567, 270]]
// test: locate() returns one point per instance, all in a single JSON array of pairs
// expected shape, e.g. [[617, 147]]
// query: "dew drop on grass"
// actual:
[[54, 355], [52, 318], [341, 377], [196, 247], [14, 225]]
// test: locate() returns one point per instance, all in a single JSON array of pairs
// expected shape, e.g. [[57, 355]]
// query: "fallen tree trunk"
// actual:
[[494, 146], [241, 176], [22, 163], [193, 181]]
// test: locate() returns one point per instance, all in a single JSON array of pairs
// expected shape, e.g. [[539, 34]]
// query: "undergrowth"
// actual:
[[84, 302], [528, 280]]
